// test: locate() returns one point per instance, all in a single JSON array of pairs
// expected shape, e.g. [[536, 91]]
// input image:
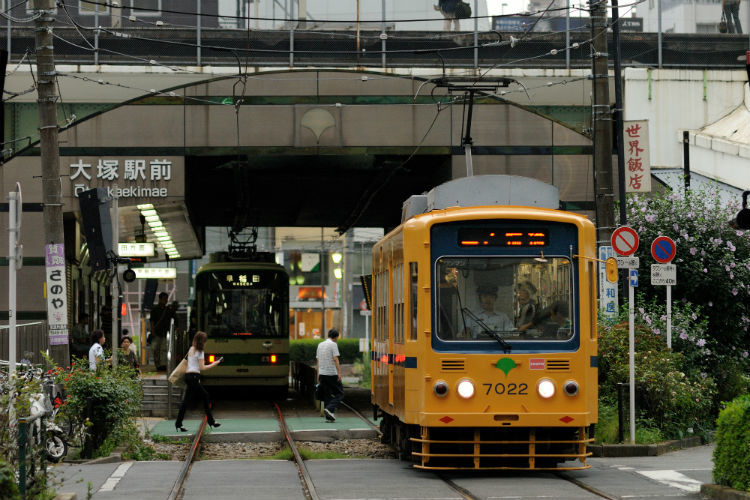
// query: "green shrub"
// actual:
[[8, 486], [303, 350], [731, 464], [671, 400], [113, 397]]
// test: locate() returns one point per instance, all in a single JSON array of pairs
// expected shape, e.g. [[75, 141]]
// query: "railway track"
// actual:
[[180, 482]]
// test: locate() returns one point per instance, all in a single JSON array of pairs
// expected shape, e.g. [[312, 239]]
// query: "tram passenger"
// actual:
[[558, 325], [196, 364], [497, 321], [329, 374], [527, 306]]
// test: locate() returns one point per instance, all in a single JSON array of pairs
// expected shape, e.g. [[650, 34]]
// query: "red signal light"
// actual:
[[274, 358], [123, 309]]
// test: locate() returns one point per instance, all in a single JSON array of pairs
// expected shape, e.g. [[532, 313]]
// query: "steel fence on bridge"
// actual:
[[552, 38]]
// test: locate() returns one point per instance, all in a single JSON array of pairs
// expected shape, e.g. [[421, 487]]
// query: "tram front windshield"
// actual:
[[241, 305], [503, 298]]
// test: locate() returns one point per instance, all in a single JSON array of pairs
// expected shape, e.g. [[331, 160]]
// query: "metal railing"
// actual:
[[544, 39], [31, 340]]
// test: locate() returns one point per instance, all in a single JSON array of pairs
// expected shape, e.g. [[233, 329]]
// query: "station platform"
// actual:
[[267, 429]]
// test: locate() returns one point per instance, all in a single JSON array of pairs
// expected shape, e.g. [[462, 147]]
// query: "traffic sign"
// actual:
[[628, 262], [663, 274], [625, 241], [663, 249], [634, 278]]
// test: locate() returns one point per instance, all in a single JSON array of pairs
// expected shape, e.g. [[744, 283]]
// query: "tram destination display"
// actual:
[[503, 237]]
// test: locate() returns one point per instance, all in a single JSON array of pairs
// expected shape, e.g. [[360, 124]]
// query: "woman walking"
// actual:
[[195, 365]]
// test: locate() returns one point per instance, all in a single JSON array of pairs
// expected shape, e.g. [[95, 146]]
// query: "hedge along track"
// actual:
[[182, 477], [307, 485]]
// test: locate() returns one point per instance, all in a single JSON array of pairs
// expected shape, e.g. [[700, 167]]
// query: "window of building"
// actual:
[[90, 8], [153, 7]]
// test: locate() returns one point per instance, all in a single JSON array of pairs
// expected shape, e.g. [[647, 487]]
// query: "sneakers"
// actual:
[[330, 417]]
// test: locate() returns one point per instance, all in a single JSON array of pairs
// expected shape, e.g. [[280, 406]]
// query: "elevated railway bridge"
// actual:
[[325, 130]]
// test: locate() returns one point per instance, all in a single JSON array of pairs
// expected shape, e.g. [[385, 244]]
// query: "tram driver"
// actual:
[[486, 316]]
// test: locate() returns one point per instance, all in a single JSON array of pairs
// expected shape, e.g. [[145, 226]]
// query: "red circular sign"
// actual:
[[363, 305], [625, 241], [663, 249]]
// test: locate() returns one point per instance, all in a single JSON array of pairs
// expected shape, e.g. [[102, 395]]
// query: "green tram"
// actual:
[[243, 306]]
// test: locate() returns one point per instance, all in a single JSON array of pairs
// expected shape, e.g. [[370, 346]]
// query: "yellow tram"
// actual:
[[466, 374]]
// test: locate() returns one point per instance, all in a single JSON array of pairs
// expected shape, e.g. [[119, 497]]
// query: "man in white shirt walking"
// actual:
[[329, 374]]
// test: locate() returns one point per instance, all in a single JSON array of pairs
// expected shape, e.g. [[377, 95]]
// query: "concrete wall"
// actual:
[[677, 100]]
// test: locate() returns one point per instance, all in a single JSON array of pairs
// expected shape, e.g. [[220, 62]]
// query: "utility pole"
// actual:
[[48, 144], [603, 181]]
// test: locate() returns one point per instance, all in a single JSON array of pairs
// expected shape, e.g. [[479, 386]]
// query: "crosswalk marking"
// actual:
[[115, 477], [673, 478]]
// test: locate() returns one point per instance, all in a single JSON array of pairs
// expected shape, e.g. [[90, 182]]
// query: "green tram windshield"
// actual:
[[243, 303]]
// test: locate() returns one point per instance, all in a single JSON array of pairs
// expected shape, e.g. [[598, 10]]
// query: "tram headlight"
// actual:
[[440, 388], [211, 358], [570, 387], [465, 388], [546, 388]]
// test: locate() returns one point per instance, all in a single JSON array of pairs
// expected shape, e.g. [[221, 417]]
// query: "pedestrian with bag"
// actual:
[[328, 368], [194, 390], [731, 10]]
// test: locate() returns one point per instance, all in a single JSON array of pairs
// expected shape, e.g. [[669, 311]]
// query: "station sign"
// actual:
[[628, 262], [135, 249], [625, 241], [159, 273], [663, 274], [663, 249]]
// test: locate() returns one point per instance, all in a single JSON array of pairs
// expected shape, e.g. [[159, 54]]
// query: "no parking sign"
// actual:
[[663, 249]]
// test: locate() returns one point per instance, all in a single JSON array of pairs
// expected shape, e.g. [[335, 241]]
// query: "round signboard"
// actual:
[[624, 241], [663, 249]]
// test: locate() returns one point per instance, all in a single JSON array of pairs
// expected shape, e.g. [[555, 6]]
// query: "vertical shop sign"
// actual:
[[607, 290], [637, 157], [57, 294]]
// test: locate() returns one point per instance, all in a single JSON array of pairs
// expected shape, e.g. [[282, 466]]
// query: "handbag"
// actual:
[[723, 23], [463, 10], [177, 377]]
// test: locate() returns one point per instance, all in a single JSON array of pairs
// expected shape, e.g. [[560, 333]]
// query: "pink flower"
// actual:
[[693, 250]]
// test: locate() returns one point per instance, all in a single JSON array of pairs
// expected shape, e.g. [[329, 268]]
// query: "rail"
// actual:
[[180, 482], [369, 422], [310, 492]]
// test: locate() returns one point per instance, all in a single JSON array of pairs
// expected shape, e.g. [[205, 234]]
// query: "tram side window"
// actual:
[[398, 304], [413, 288], [382, 306]]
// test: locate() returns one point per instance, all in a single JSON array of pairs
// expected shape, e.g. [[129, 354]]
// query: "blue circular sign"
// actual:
[[663, 249]]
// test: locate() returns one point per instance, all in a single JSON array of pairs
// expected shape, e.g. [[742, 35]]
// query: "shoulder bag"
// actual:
[[723, 23], [177, 377], [463, 10]]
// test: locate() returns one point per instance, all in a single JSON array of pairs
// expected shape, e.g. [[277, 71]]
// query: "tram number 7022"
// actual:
[[510, 389]]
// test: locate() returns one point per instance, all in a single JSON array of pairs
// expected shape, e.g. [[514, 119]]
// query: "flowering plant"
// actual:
[[713, 270]]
